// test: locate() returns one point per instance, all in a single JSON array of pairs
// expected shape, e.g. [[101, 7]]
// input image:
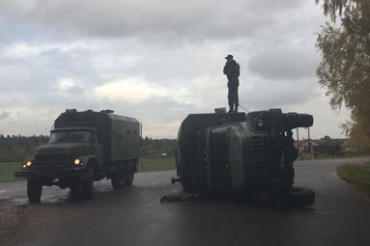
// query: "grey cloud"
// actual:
[[284, 63], [163, 19], [40, 73], [4, 115], [273, 94], [172, 44], [74, 90]]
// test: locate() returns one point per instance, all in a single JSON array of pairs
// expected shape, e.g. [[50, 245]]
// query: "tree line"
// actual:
[[157, 147], [18, 148]]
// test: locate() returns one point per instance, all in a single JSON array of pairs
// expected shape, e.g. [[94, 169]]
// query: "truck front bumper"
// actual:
[[53, 174]]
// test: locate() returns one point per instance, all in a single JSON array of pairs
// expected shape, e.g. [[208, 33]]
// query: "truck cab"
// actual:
[[84, 147]]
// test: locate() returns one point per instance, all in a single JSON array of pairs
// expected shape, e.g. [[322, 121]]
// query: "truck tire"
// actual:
[[293, 120], [87, 189], [300, 197], [34, 190], [82, 190], [118, 179], [75, 191], [129, 173], [289, 176]]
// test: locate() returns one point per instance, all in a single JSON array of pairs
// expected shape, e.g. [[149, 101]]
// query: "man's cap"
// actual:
[[229, 56]]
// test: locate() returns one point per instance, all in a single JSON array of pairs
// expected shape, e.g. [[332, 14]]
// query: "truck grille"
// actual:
[[259, 158], [51, 162]]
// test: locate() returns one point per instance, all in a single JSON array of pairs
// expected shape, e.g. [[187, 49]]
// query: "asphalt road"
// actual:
[[134, 216]]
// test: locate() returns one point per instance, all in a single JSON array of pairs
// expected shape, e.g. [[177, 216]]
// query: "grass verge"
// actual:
[[356, 174], [7, 169], [156, 164]]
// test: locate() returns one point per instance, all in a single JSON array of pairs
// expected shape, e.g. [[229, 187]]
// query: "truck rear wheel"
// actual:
[[118, 179], [129, 173], [34, 190]]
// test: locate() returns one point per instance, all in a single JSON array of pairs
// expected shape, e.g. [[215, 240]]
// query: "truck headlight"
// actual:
[[27, 164], [78, 162]]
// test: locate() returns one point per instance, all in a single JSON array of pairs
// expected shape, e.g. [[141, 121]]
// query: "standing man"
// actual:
[[232, 72]]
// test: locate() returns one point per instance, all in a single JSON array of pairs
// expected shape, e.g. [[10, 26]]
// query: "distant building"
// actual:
[[325, 145], [304, 145]]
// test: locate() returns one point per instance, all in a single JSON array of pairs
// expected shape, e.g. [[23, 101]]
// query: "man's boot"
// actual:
[[231, 108]]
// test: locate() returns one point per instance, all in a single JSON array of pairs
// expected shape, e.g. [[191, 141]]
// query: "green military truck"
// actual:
[[84, 147], [244, 155]]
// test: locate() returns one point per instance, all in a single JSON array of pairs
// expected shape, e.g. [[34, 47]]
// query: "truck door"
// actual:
[[99, 150]]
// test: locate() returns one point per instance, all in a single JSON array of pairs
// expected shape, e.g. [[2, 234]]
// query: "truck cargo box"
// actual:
[[120, 135]]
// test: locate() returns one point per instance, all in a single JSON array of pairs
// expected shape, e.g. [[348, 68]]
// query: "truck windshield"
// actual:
[[70, 137]]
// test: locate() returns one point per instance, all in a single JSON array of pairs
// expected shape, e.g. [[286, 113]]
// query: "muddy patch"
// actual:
[[12, 221]]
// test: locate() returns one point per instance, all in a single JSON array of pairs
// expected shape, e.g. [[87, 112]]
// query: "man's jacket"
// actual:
[[232, 72]]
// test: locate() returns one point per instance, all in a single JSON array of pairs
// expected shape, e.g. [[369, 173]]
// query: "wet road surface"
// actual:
[[134, 215]]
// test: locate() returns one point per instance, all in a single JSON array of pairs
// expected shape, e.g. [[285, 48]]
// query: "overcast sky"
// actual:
[[158, 60]]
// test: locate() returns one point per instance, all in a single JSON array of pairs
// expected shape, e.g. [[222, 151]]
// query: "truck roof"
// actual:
[[89, 118], [74, 129]]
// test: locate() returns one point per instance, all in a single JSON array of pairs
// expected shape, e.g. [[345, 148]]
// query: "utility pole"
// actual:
[[297, 134], [309, 142], [141, 144], [298, 144]]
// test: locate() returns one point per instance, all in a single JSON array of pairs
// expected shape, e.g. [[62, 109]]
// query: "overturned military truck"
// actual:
[[84, 147], [243, 155]]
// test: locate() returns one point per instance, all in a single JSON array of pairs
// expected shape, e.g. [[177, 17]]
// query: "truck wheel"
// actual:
[[293, 120], [75, 191], [289, 176], [300, 197], [34, 190], [82, 190], [118, 179], [129, 174], [87, 189]]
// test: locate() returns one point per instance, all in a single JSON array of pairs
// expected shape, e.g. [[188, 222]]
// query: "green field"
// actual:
[[156, 164], [356, 174], [147, 165], [7, 170]]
